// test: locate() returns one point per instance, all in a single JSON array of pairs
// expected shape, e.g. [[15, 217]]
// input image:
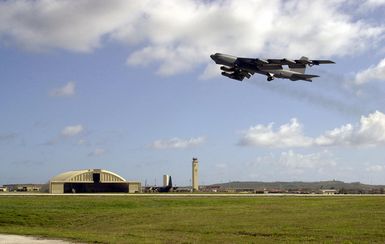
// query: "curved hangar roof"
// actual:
[[86, 175]]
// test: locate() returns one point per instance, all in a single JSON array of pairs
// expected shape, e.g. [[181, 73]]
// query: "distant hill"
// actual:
[[340, 186]]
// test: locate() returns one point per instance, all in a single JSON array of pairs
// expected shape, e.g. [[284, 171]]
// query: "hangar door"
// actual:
[[95, 187]]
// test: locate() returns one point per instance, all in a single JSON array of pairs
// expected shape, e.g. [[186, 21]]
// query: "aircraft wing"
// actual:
[[252, 61], [304, 77], [253, 65], [318, 62], [282, 61], [305, 60]]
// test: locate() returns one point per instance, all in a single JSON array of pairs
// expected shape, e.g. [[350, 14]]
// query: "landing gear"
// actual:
[[270, 78]]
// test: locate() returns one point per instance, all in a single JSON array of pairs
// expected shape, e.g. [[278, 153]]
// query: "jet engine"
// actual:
[[227, 69], [261, 61], [289, 61], [232, 76]]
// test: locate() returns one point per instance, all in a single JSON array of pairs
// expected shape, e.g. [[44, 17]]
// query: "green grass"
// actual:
[[112, 219]]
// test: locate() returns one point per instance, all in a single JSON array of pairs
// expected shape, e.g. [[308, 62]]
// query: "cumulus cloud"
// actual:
[[295, 162], [97, 152], [67, 132], [72, 130], [177, 143], [64, 91], [372, 73], [179, 35], [371, 4], [375, 168], [370, 131], [75, 26], [287, 135], [337, 136], [292, 159]]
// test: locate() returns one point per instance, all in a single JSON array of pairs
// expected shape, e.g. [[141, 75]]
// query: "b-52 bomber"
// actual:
[[238, 68]]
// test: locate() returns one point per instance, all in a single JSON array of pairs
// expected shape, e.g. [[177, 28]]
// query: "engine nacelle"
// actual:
[[227, 74], [227, 69], [261, 61], [289, 61], [232, 76]]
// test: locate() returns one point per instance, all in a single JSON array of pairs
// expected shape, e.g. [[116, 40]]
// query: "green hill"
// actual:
[[339, 186]]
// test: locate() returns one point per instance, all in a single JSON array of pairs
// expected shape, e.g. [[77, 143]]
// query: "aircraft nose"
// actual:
[[212, 56]]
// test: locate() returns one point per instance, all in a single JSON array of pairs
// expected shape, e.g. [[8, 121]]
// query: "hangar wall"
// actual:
[[56, 187]]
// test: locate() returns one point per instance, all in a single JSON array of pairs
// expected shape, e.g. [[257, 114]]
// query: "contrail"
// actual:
[[345, 105]]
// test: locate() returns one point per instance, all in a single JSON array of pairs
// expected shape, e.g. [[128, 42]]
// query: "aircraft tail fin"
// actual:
[[170, 182], [299, 67]]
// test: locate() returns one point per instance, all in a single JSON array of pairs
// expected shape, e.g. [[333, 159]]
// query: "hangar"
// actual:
[[92, 181]]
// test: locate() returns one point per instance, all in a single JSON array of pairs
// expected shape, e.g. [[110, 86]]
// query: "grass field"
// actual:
[[109, 219]]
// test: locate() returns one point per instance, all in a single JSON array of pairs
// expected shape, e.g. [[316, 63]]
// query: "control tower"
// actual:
[[195, 185]]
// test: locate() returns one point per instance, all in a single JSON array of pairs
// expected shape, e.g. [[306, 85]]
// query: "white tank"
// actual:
[[166, 180]]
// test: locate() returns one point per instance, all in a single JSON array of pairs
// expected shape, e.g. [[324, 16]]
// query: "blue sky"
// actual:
[[130, 87]]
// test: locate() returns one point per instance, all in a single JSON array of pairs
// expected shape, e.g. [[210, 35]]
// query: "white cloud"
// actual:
[[293, 163], [67, 133], [372, 129], [76, 26], [287, 135], [369, 132], [370, 4], [65, 91], [375, 168], [180, 35], [97, 152], [177, 143], [372, 73], [291, 159], [337, 136], [72, 130]]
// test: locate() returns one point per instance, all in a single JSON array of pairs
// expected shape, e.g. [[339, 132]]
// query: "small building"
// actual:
[[92, 181], [23, 187], [3, 189], [328, 191]]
